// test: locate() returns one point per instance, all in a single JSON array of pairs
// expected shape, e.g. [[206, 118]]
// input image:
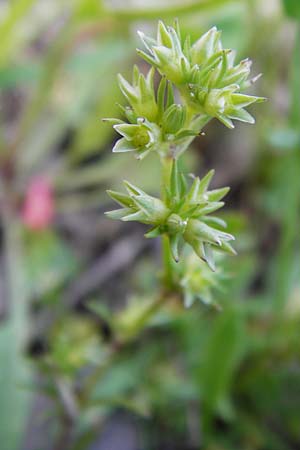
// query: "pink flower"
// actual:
[[38, 207]]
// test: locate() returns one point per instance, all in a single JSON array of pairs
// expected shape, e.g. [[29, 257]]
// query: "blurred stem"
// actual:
[[289, 232], [290, 222], [40, 98], [68, 399], [16, 282], [295, 82], [15, 12], [70, 412], [163, 13], [15, 369]]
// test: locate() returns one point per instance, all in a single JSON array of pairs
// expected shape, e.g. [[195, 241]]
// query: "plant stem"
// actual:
[[167, 260], [167, 263]]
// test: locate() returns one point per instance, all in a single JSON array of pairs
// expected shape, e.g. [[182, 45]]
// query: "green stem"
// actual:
[[167, 263], [167, 260]]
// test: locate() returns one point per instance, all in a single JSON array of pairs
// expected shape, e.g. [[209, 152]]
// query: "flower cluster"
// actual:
[[204, 73], [156, 122], [198, 282], [199, 81], [184, 215]]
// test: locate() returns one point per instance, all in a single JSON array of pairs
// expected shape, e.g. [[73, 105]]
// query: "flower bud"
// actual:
[[141, 137], [174, 119], [140, 94], [176, 224], [206, 46], [166, 54]]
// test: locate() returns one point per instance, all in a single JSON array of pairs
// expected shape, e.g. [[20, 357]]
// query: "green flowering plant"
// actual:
[[198, 282], [206, 84]]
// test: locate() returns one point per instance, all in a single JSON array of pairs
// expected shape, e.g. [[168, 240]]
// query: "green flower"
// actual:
[[155, 121], [204, 73], [184, 216], [166, 53], [141, 94], [224, 103], [140, 138]]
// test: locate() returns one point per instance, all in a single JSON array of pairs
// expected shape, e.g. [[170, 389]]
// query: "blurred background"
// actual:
[[70, 279]]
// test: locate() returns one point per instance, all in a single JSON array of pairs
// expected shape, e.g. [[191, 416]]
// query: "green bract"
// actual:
[[184, 215]]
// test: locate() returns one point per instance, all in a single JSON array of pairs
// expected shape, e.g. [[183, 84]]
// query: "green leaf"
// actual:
[[209, 257], [138, 216], [118, 214], [204, 183], [15, 371], [161, 91], [207, 208], [217, 194], [225, 120], [153, 233], [198, 247], [163, 36], [128, 91], [221, 356], [122, 146], [242, 115], [122, 199], [192, 196], [126, 130], [226, 248], [170, 95], [133, 190]]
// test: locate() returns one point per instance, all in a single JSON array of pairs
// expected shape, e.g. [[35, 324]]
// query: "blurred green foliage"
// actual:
[[197, 378]]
